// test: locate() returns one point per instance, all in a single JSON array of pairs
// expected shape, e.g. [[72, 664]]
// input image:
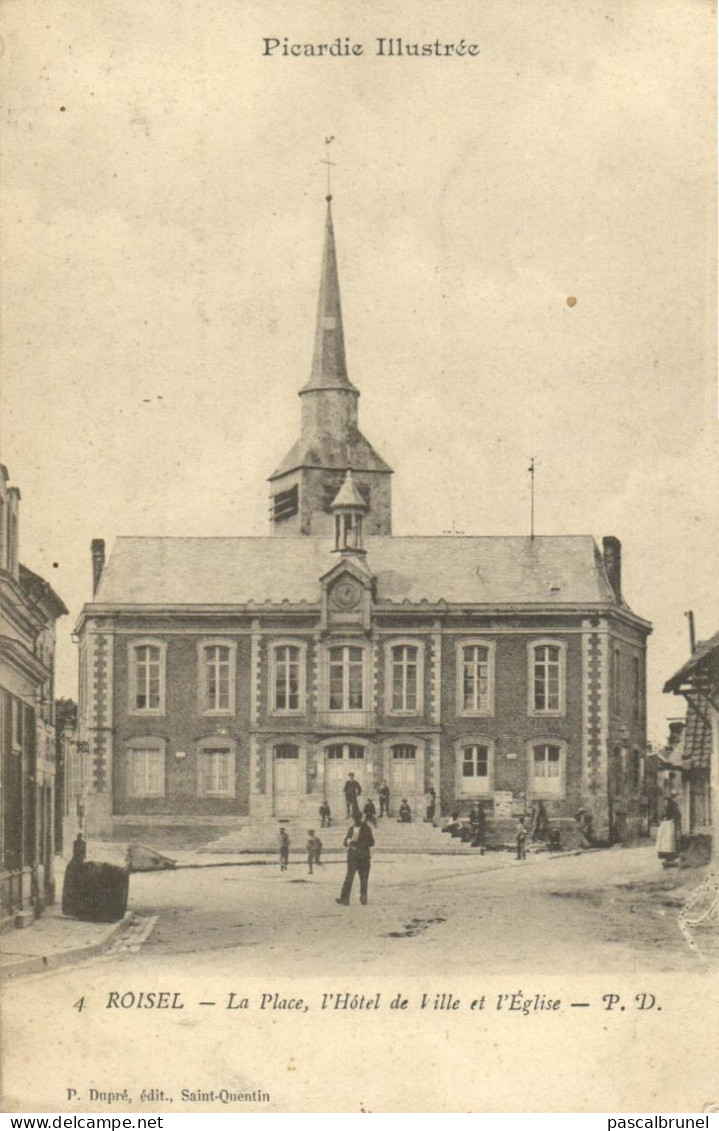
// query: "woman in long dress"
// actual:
[[668, 834]]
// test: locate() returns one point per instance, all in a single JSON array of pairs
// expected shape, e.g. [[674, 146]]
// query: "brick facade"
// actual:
[[588, 728]]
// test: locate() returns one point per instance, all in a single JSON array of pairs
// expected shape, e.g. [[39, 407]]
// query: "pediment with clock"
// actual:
[[347, 596]]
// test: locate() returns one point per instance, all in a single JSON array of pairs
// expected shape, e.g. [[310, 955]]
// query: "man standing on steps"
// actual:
[[352, 790], [358, 842]]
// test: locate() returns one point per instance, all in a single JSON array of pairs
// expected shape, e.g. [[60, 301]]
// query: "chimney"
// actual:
[[97, 550], [612, 551]]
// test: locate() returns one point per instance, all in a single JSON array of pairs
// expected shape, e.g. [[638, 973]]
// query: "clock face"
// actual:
[[346, 595]]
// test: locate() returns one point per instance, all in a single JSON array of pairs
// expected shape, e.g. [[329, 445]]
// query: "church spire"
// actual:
[[329, 365], [309, 478]]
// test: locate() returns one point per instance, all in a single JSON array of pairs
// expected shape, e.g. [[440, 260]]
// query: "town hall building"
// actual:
[[243, 678]]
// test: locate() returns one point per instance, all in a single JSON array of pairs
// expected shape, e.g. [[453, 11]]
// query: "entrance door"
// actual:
[[403, 776], [286, 780], [340, 761]]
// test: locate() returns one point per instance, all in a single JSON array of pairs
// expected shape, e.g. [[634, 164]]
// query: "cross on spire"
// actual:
[[330, 165]]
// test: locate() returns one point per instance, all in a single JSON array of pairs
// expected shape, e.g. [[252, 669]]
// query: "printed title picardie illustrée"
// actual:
[[388, 47]]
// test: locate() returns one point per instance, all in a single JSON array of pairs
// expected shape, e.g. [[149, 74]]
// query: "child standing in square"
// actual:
[[284, 850], [314, 850], [522, 833]]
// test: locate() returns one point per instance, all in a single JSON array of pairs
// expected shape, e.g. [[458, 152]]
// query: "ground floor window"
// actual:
[[216, 772], [146, 771], [475, 766], [547, 769]]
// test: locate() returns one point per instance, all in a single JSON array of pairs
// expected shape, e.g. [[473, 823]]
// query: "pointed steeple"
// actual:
[[308, 479], [329, 365]]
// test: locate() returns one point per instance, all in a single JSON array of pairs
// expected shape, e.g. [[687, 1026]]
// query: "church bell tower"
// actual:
[[306, 484]]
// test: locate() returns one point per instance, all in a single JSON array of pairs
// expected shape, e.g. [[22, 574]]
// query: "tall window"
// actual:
[[217, 664], [546, 769], [404, 677], [475, 662], [216, 772], [547, 679], [636, 690], [217, 678], [636, 770], [146, 771], [148, 678], [617, 681], [287, 678], [12, 544], [346, 690]]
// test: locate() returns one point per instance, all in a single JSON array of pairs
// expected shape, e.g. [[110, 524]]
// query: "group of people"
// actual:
[[358, 842], [359, 839], [313, 848], [353, 789]]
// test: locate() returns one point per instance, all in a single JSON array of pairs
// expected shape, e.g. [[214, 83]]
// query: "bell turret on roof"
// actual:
[[348, 496], [348, 509], [329, 364]]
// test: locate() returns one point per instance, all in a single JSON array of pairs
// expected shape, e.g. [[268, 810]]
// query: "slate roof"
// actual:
[[272, 570], [329, 452], [329, 365], [705, 653], [697, 735], [348, 495]]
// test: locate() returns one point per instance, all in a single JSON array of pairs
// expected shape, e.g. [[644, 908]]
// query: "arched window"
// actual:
[[287, 675], [475, 683], [405, 674], [216, 768], [547, 769], [636, 690], [617, 681], [475, 766], [217, 677], [346, 678], [403, 752], [145, 761], [546, 677], [349, 750], [147, 677]]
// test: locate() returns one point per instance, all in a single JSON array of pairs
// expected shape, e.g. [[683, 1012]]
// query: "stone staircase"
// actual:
[[390, 836]]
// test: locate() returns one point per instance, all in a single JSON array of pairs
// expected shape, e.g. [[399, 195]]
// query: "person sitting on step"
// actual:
[[405, 813]]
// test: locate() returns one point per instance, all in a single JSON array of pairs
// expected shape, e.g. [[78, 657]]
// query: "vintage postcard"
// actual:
[[359, 467]]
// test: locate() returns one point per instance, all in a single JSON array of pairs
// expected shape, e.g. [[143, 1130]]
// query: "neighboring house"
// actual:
[[664, 773], [29, 608], [244, 678], [698, 682], [70, 776]]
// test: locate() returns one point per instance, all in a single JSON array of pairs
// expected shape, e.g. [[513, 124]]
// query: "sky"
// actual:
[[163, 213]]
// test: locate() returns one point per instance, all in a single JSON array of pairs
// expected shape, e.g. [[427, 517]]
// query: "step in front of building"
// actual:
[[390, 836]]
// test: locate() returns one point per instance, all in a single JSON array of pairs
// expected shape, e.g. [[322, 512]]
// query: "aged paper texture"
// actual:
[[522, 233]]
